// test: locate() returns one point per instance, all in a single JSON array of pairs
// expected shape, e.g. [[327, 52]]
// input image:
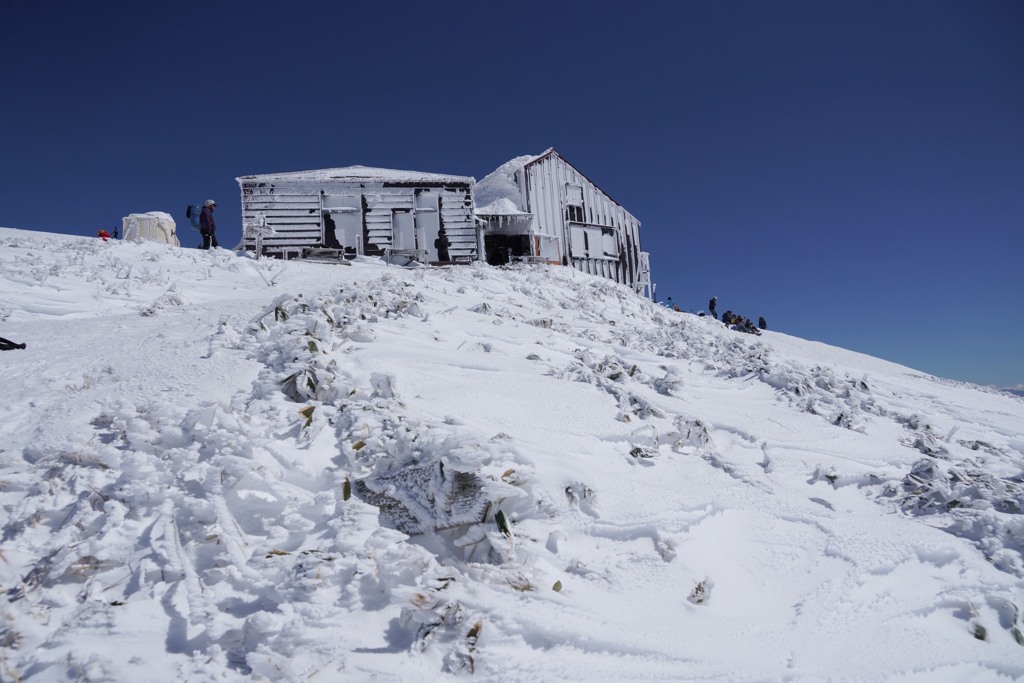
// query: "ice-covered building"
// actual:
[[541, 208], [152, 226], [358, 210]]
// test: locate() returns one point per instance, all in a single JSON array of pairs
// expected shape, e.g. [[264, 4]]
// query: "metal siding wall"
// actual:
[[546, 192], [380, 203], [292, 211], [458, 222], [545, 201]]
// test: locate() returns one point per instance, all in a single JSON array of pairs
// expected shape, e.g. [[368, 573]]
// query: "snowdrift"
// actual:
[[215, 468]]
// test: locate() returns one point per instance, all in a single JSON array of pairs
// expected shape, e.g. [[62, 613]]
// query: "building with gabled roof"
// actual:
[[535, 208], [541, 208]]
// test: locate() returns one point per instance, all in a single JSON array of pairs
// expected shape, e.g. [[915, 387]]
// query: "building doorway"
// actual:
[[501, 249]]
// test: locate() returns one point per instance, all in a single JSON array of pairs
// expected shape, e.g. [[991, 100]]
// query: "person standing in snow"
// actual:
[[207, 226], [441, 244], [711, 306], [761, 323]]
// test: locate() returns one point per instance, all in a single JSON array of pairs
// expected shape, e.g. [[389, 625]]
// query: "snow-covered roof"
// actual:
[[503, 206], [358, 174], [160, 214]]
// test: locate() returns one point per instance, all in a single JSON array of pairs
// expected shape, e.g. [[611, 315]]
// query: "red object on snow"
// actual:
[[103, 235]]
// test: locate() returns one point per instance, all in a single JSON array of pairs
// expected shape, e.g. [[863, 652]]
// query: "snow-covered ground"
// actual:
[[216, 468]]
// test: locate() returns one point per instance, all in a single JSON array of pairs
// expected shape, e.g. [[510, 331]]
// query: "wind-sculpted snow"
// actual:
[[424, 478], [979, 498], [224, 469], [242, 540]]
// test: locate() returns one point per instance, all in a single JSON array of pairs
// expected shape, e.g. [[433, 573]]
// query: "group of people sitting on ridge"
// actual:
[[741, 324], [736, 322]]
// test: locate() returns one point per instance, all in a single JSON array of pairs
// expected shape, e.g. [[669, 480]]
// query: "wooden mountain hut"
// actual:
[[358, 210]]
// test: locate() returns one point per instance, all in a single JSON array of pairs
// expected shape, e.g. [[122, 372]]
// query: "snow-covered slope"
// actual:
[[214, 468]]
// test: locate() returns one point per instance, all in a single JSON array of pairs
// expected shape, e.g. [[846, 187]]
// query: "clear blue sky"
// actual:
[[853, 171]]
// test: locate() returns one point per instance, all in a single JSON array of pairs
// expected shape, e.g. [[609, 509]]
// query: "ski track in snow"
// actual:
[[511, 474]]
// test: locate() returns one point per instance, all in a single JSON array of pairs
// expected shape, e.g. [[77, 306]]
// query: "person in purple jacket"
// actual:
[[207, 226]]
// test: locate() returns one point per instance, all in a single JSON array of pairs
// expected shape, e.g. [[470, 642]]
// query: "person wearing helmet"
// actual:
[[207, 226]]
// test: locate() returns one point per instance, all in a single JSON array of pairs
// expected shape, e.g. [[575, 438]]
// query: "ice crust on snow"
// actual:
[[215, 468]]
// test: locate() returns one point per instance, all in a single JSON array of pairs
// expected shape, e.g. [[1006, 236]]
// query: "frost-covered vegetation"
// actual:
[[213, 468]]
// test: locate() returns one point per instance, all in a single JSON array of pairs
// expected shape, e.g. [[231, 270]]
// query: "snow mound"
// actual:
[[500, 184], [499, 207]]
